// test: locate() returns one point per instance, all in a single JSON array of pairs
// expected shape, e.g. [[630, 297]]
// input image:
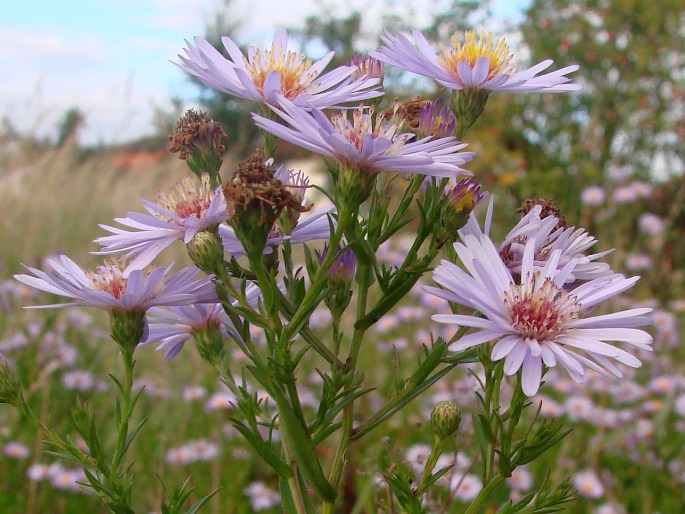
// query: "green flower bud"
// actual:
[[445, 419], [206, 251], [127, 328], [210, 344], [467, 106]]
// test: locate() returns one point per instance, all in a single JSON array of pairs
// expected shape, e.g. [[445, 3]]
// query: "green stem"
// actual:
[[319, 281], [484, 494], [309, 336], [126, 409], [348, 412], [435, 453]]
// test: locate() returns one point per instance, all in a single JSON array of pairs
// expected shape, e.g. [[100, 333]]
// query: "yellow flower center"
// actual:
[[292, 68], [496, 50]]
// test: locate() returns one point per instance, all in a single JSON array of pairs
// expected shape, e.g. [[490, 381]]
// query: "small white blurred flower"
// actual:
[[650, 224], [78, 380], [221, 400], [16, 450], [593, 196], [261, 496], [417, 455], [38, 472], [624, 194], [679, 405], [609, 508], [520, 479], [192, 393], [587, 484], [579, 408], [193, 451], [466, 487], [638, 262]]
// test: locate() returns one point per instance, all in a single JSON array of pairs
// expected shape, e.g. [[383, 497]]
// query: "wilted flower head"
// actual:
[[406, 115], [265, 76], [198, 140], [538, 320], [191, 207], [479, 62], [254, 192]]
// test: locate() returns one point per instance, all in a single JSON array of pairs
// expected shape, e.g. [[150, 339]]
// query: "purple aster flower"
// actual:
[[191, 207], [360, 145], [173, 326], [266, 76], [312, 226], [367, 66], [436, 120], [548, 237], [477, 63], [538, 321], [113, 287]]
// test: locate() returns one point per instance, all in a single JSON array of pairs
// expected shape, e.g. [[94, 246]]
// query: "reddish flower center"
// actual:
[[188, 198], [361, 128], [109, 277], [543, 314]]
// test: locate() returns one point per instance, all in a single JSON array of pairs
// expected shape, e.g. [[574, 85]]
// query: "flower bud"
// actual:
[[340, 276], [210, 343], [10, 389], [197, 140], [459, 202], [206, 251], [128, 328], [445, 419], [467, 105], [436, 120], [367, 67]]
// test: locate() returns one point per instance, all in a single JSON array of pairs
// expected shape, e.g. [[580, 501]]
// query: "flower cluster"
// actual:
[[536, 305]]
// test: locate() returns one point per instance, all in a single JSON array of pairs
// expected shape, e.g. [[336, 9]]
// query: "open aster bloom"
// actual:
[[359, 144], [537, 321], [549, 236], [478, 63], [180, 214], [173, 326], [311, 226], [114, 288], [266, 76]]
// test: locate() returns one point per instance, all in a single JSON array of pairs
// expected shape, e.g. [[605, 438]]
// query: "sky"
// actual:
[[111, 58]]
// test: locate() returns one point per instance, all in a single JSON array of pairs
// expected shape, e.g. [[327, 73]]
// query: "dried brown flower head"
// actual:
[[193, 130], [549, 208], [407, 111], [253, 187]]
